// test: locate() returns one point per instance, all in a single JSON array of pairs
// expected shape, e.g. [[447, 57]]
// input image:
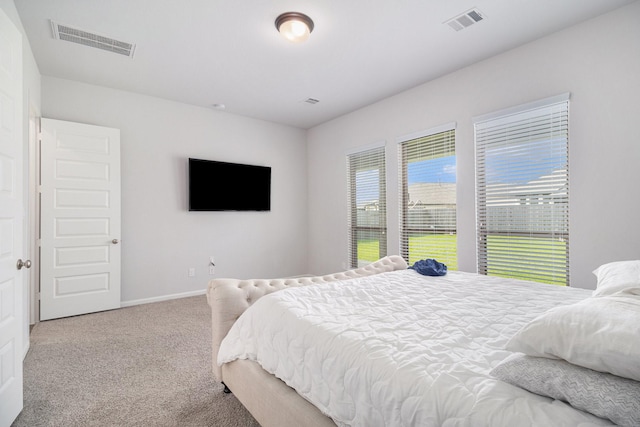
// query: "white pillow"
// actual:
[[618, 277], [603, 395], [601, 333]]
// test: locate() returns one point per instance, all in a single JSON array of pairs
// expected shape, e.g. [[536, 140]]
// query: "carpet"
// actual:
[[146, 365]]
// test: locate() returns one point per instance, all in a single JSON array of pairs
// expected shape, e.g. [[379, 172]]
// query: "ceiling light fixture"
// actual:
[[294, 26]]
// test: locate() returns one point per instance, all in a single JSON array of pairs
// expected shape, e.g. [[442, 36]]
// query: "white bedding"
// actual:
[[401, 349]]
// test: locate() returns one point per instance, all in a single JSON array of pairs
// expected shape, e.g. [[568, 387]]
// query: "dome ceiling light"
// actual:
[[294, 26]]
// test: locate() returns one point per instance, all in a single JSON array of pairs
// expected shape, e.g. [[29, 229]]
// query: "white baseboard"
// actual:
[[161, 298]]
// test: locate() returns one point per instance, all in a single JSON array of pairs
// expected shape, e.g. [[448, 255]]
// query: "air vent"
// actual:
[[75, 35], [311, 101], [465, 20]]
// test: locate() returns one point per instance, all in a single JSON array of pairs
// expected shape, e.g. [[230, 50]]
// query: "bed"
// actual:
[[386, 346]]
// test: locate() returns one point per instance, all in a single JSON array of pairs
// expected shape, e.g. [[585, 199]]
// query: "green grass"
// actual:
[[441, 246], [368, 250], [527, 249]]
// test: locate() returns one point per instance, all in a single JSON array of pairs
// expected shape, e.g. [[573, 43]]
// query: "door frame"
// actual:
[[34, 215]]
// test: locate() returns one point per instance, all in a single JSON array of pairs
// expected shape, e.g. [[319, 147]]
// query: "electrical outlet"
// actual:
[[192, 272], [212, 266]]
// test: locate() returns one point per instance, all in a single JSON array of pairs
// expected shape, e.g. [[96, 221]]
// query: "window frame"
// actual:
[[405, 229], [537, 220], [363, 157]]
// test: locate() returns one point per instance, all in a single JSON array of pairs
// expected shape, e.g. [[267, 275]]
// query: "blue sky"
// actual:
[[520, 164], [442, 169], [541, 158]]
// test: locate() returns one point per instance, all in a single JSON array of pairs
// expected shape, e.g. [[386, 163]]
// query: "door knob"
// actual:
[[25, 264], [114, 241]]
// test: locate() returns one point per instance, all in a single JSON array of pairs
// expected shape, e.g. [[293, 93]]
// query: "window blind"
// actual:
[[522, 173], [428, 198], [367, 200]]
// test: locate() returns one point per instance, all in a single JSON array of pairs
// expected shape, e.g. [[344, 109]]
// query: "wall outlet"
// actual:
[[212, 266], [192, 272]]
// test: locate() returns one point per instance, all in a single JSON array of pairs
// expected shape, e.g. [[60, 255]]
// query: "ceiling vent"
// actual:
[[465, 20], [75, 35], [311, 101]]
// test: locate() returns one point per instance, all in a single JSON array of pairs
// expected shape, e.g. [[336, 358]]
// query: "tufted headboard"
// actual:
[[229, 298]]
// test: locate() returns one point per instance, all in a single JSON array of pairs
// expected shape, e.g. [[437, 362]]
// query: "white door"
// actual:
[[79, 219], [12, 211]]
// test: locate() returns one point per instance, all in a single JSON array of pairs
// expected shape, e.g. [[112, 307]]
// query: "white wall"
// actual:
[[598, 62], [161, 240]]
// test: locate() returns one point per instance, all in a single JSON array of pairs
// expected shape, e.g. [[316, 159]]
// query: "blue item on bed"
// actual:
[[429, 267]]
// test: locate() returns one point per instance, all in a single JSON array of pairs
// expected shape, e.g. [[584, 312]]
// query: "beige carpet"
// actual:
[[148, 365]]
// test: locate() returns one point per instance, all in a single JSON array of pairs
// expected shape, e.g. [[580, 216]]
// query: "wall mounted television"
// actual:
[[222, 186]]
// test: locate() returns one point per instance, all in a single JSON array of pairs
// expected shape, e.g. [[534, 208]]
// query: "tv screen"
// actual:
[[221, 186]]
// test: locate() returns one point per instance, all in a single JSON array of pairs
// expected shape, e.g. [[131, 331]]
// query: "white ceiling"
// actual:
[[205, 52]]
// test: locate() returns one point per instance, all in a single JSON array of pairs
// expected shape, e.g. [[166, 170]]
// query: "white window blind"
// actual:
[[428, 198], [367, 206], [523, 192]]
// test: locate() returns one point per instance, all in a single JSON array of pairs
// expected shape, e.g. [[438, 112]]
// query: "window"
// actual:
[[428, 197], [523, 192], [367, 206]]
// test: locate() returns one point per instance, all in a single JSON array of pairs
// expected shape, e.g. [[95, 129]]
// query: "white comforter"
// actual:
[[401, 349]]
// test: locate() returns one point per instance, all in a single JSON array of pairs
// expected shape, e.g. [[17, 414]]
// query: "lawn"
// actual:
[[368, 250], [441, 246], [527, 251], [437, 246]]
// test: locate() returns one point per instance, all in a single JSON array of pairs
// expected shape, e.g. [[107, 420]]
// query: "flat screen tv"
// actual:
[[222, 186]]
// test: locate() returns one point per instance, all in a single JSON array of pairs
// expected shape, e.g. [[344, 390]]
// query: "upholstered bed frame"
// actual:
[[269, 400]]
